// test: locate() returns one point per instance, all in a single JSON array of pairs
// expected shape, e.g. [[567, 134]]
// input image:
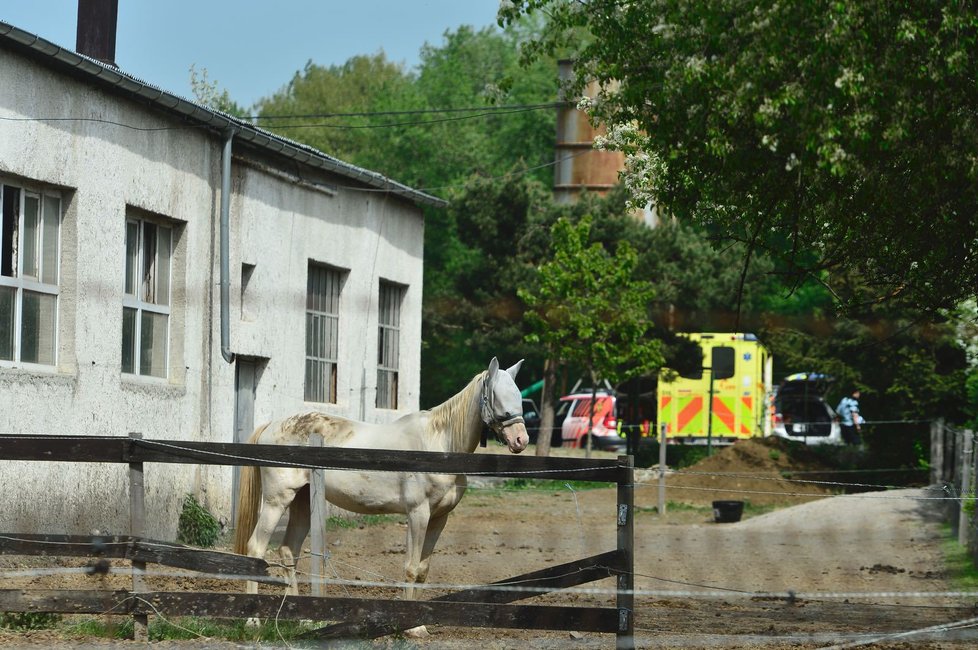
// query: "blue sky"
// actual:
[[253, 48]]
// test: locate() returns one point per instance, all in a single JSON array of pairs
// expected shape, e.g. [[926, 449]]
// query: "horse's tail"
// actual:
[[249, 494]]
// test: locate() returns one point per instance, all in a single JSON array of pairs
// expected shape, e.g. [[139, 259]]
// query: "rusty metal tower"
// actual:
[[579, 167]]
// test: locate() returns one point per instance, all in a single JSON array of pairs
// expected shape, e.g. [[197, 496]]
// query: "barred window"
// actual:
[[146, 298], [30, 227], [322, 332], [388, 344]]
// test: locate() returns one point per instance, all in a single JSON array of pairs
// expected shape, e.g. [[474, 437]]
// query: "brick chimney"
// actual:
[[96, 29]]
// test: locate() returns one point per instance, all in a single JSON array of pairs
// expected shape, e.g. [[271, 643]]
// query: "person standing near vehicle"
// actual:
[[848, 410]]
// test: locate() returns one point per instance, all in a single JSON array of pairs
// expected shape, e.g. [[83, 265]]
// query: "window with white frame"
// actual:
[[388, 343], [146, 299], [30, 227], [323, 287]]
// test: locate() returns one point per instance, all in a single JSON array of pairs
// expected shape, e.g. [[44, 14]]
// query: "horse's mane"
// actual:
[[452, 417]]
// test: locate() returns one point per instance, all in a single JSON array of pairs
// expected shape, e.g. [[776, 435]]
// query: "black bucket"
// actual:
[[726, 512]]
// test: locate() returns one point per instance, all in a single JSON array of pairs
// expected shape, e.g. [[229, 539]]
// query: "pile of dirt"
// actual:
[[750, 470]]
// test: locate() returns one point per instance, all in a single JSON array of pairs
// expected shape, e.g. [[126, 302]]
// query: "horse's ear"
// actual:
[[515, 368], [493, 368]]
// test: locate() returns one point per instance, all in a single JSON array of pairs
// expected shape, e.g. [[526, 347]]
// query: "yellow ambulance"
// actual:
[[737, 372]]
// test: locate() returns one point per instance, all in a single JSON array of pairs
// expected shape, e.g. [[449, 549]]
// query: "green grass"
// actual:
[[22, 621], [189, 628], [89, 627], [556, 485], [360, 521], [490, 495], [171, 629], [960, 567], [292, 633], [754, 510]]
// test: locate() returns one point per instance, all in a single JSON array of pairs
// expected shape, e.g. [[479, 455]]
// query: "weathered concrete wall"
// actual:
[[277, 224]]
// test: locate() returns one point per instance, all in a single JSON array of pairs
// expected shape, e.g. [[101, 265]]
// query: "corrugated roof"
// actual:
[[99, 73]]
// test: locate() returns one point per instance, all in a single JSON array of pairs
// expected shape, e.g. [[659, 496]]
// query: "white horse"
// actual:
[[491, 398]]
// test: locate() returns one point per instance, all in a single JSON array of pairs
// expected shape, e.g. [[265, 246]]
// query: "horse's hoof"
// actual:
[[419, 632]]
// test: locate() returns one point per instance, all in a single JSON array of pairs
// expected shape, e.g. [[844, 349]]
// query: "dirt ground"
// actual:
[[802, 569]]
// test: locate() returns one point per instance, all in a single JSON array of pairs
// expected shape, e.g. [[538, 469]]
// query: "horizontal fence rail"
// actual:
[[128, 450], [124, 547], [401, 614]]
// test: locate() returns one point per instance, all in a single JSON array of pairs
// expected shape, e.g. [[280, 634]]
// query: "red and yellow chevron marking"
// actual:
[[732, 416], [723, 417], [665, 412], [690, 417], [683, 415], [747, 415], [728, 421]]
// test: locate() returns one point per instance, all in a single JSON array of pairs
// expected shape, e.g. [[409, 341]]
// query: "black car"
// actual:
[[531, 417]]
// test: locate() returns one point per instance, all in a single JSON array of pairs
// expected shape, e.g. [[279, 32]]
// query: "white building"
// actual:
[[119, 313]]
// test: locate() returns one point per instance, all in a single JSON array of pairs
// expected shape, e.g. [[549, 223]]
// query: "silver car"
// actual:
[[801, 413]]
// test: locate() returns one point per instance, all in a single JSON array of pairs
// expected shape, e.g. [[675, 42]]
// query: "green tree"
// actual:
[[471, 310], [699, 287], [334, 108], [481, 68], [908, 371], [210, 94], [966, 325], [588, 309], [835, 135], [411, 125]]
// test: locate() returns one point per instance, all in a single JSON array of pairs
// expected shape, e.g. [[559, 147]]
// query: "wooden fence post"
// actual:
[[317, 529], [662, 471], [957, 457], [137, 528], [625, 637], [937, 451], [967, 465], [972, 522]]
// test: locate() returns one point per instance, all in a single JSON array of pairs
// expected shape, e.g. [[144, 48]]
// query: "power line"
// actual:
[[329, 125], [418, 111], [507, 175]]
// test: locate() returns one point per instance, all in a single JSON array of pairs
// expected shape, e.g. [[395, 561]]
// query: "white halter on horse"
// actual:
[[490, 399]]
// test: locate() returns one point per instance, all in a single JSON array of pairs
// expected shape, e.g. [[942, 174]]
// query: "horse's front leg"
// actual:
[[418, 518], [435, 526], [415, 571]]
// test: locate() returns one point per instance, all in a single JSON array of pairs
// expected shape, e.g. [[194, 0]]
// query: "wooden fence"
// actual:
[[364, 617], [954, 467]]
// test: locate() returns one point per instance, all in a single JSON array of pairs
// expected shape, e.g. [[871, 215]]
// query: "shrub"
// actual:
[[28, 620], [197, 526]]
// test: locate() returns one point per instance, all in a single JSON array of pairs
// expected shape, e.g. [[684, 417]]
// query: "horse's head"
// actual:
[[502, 406]]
